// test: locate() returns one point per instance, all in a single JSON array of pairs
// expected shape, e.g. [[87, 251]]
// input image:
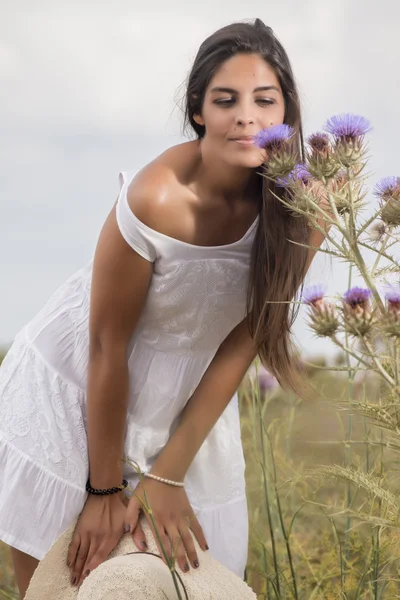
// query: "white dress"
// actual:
[[197, 296]]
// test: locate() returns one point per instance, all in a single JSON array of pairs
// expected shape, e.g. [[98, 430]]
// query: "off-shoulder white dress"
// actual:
[[196, 297]]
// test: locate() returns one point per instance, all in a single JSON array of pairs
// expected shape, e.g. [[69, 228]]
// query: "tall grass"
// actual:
[[329, 530]]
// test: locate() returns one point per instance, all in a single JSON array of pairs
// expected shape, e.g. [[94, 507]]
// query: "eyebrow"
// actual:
[[263, 88]]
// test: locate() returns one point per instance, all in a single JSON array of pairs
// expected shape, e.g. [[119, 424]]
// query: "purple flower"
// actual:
[[387, 187], [267, 382], [319, 142], [314, 293], [347, 126], [274, 136], [299, 173], [392, 295], [357, 296]]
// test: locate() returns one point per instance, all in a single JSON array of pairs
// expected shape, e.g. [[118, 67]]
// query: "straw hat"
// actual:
[[128, 574]]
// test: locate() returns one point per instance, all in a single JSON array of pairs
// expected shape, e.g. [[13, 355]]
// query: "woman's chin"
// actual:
[[251, 158], [249, 162]]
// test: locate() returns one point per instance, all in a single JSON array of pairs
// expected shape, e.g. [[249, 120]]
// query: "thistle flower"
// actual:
[[357, 315], [302, 190], [323, 319], [299, 173], [340, 190], [314, 294], [281, 157], [321, 161], [319, 142], [377, 230], [273, 137], [392, 296], [391, 320], [349, 131], [348, 126], [357, 296], [388, 190]]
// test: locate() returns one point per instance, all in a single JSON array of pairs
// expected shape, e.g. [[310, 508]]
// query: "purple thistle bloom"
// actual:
[[392, 294], [319, 142], [299, 173], [314, 293], [387, 186], [357, 296], [273, 136], [347, 126]]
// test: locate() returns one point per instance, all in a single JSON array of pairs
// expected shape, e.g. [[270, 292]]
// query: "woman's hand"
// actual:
[[99, 528], [174, 518]]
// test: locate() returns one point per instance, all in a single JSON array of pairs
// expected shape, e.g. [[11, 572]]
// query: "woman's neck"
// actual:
[[220, 180]]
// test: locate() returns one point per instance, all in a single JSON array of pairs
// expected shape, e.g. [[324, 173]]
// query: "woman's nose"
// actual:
[[244, 120]]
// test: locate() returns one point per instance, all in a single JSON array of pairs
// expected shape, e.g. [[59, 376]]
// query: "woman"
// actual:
[[139, 355]]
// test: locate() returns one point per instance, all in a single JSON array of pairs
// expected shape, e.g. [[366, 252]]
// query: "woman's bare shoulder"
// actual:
[[158, 196]]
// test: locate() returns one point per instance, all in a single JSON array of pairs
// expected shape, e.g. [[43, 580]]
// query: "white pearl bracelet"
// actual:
[[177, 483]]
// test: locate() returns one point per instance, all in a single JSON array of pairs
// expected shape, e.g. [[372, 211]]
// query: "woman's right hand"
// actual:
[[99, 528], [174, 519]]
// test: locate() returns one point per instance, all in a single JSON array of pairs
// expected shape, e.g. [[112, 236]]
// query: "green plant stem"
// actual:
[[396, 360], [284, 533], [378, 365], [267, 499], [379, 255], [348, 451], [256, 398], [348, 350]]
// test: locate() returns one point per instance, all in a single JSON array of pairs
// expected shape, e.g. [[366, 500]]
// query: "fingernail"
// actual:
[[186, 567], [73, 580], [207, 548], [144, 545], [196, 564], [87, 572], [127, 528]]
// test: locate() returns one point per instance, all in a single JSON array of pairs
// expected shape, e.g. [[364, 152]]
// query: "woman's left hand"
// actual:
[[174, 519]]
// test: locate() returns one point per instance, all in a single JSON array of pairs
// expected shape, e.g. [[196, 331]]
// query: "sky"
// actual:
[[90, 88]]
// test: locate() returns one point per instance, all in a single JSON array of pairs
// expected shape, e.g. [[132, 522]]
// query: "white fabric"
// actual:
[[196, 297]]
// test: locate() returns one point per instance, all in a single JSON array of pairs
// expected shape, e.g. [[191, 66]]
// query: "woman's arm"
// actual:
[[212, 395], [119, 288]]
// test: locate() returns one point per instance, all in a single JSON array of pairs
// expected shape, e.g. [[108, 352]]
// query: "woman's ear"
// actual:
[[199, 120]]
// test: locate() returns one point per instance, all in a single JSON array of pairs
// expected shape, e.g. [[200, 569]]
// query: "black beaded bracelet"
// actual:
[[113, 490]]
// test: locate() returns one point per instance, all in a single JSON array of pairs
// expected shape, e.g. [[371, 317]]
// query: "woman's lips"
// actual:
[[244, 141]]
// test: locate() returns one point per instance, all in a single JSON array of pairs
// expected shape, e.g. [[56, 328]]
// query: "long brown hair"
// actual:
[[278, 267]]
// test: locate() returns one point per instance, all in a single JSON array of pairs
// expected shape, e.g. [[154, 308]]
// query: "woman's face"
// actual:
[[243, 97]]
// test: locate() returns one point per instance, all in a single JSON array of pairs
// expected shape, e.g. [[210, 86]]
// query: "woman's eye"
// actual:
[[225, 101], [265, 101], [231, 101]]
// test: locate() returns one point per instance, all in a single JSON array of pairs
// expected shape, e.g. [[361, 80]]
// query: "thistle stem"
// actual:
[[379, 256], [377, 363], [267, 498], [284, 533]]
